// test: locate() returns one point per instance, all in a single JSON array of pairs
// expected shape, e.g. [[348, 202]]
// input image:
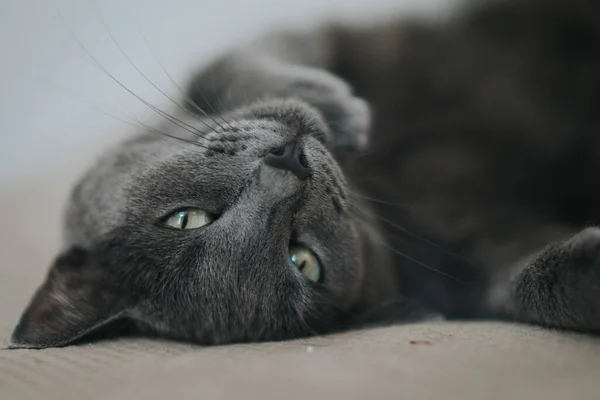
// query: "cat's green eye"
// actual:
[[191, 218], [306, 261]]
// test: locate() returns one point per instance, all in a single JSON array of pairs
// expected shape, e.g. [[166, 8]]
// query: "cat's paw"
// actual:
[[348, 116], [349, 119], [561, 287], [584, 248]]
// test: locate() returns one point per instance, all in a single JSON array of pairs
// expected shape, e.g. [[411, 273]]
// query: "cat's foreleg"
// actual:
[[558, 286], [285, 67]]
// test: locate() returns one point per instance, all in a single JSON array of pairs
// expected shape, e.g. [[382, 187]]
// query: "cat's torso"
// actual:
[[484, 137]]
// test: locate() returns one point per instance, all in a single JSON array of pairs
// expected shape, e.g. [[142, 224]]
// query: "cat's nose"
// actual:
[[290, 158]]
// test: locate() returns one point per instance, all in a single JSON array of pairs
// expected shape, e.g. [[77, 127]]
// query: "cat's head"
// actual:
[[244, 234]]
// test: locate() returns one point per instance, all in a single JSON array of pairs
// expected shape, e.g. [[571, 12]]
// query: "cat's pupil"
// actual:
[[183, 219]]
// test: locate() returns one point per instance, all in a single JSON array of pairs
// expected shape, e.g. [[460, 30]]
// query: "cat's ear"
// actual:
[[76, 299]]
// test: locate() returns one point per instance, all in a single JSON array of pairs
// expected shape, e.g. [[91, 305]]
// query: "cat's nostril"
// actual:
[[291, 158], [278, 151]]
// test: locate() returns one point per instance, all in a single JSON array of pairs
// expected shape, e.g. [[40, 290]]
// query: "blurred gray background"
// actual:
[[54, 101]]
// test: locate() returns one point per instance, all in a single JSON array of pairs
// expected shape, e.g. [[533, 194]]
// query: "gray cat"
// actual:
[[281, 204]]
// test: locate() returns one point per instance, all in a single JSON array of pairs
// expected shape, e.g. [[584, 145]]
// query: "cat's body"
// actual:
[[487, 128], [463, 191]]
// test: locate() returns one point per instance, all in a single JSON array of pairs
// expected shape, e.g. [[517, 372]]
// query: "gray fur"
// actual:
[[463, 134]]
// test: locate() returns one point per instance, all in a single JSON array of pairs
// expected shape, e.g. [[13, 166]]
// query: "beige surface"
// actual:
[[445, 361], [462, 361]]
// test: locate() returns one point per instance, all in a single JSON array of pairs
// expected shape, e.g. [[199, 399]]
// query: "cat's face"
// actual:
[[206, 242]]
